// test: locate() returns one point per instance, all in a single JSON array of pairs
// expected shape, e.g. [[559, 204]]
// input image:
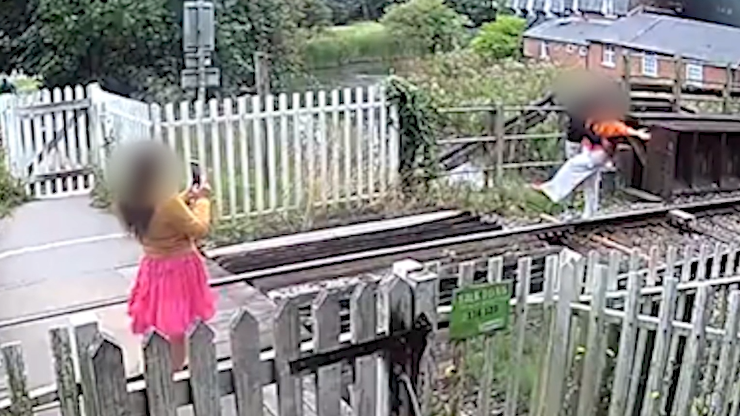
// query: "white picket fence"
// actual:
[[262, 154]]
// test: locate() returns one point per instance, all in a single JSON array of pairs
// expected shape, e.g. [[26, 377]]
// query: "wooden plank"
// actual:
[[495, 272], [217, 172], [43, 108], [364, 324], [347, 143], [728, 359], [326, 324], [687, 381], [646, 307], [287, 347], [359, 142], [203, 371], [258, 154], [371, 138], [230, 156], [680, 310], [558, 343], [160, 391], [323, 141], [87, 334], [64, 368], [595, 344], [245, 358], [310, 156], [400, 315], [272, 177], [285, 183], [15, 372], [336, 156], [551, 271], [297, 151], [620, 390], [655, 387], [106, 360], [524, 272]]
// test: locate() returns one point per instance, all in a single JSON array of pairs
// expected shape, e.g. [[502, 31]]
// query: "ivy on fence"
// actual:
[[418, 119]]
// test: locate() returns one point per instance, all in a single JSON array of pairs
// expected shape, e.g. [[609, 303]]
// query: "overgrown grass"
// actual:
[[360, 42], [12, 191]]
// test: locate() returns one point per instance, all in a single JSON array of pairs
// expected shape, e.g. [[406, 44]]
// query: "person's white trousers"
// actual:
[[584, 168]]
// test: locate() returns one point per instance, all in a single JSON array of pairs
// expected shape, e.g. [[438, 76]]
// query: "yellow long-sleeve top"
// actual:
[[175, 226]]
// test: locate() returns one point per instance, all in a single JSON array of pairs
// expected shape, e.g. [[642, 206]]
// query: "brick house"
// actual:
[[652, 39]]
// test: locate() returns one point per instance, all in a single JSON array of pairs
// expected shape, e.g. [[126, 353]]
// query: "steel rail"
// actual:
[[536, 229]]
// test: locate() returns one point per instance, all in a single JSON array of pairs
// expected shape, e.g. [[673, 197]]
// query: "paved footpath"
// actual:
[[59, 253]]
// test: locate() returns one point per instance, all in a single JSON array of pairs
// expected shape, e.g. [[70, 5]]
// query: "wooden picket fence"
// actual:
[[262, 154], [664, 343]]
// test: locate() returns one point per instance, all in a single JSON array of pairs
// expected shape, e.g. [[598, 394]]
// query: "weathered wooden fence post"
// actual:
[[61, 345], [424, 285], [620, 390], [106, 360], [557, 345], [87, 333], [364, 326], [500, 133], [287, 343], [244, 335], [12, 355]]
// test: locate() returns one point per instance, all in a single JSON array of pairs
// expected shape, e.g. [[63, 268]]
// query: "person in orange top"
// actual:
[[585, 168], [171, 290]]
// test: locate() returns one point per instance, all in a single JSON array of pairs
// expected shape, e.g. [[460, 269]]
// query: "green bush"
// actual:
[[12, 191], [341, 45], [426, 25], [500, 39], [464, 78]]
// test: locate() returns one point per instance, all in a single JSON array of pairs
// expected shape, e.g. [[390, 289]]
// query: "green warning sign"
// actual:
[[479, 310]]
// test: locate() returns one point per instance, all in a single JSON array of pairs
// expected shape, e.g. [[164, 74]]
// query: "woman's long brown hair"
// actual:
[[137, 198]]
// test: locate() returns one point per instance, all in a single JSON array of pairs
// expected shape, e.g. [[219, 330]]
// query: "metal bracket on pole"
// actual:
[[198, 43]]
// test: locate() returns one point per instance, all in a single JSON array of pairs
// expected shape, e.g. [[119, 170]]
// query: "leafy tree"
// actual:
[[122, 42], [500, 39], [249, 26], [426, 25], [478, 11], [15, 19], [314, 14]]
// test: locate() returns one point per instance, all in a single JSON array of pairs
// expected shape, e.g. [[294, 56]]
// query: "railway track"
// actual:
[[364, 253]]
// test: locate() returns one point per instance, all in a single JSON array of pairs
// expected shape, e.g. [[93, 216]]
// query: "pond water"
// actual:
[[347, 76]]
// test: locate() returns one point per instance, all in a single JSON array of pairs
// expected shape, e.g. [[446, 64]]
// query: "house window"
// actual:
[[649, 65], [544, 50], [570, 48], [608, 56], [694, 73], [583, 51]]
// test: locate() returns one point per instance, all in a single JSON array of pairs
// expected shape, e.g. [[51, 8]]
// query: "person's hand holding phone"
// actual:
[[200, 191]]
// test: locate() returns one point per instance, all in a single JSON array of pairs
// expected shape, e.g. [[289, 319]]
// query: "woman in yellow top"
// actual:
[[171, 291]]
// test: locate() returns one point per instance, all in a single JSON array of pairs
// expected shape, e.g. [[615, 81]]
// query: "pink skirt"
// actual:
[[170, 295]]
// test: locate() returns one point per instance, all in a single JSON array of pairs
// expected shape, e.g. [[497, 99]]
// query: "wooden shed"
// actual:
[[689, 154]]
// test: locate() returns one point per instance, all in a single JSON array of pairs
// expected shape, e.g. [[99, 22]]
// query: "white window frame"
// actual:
[[649, 65], [694, 73], [544, 50], [571, 48], [583, 51], [609, 56]]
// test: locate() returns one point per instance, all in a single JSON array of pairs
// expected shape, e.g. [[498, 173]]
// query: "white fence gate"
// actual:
[[262, 154], [48, 140]]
